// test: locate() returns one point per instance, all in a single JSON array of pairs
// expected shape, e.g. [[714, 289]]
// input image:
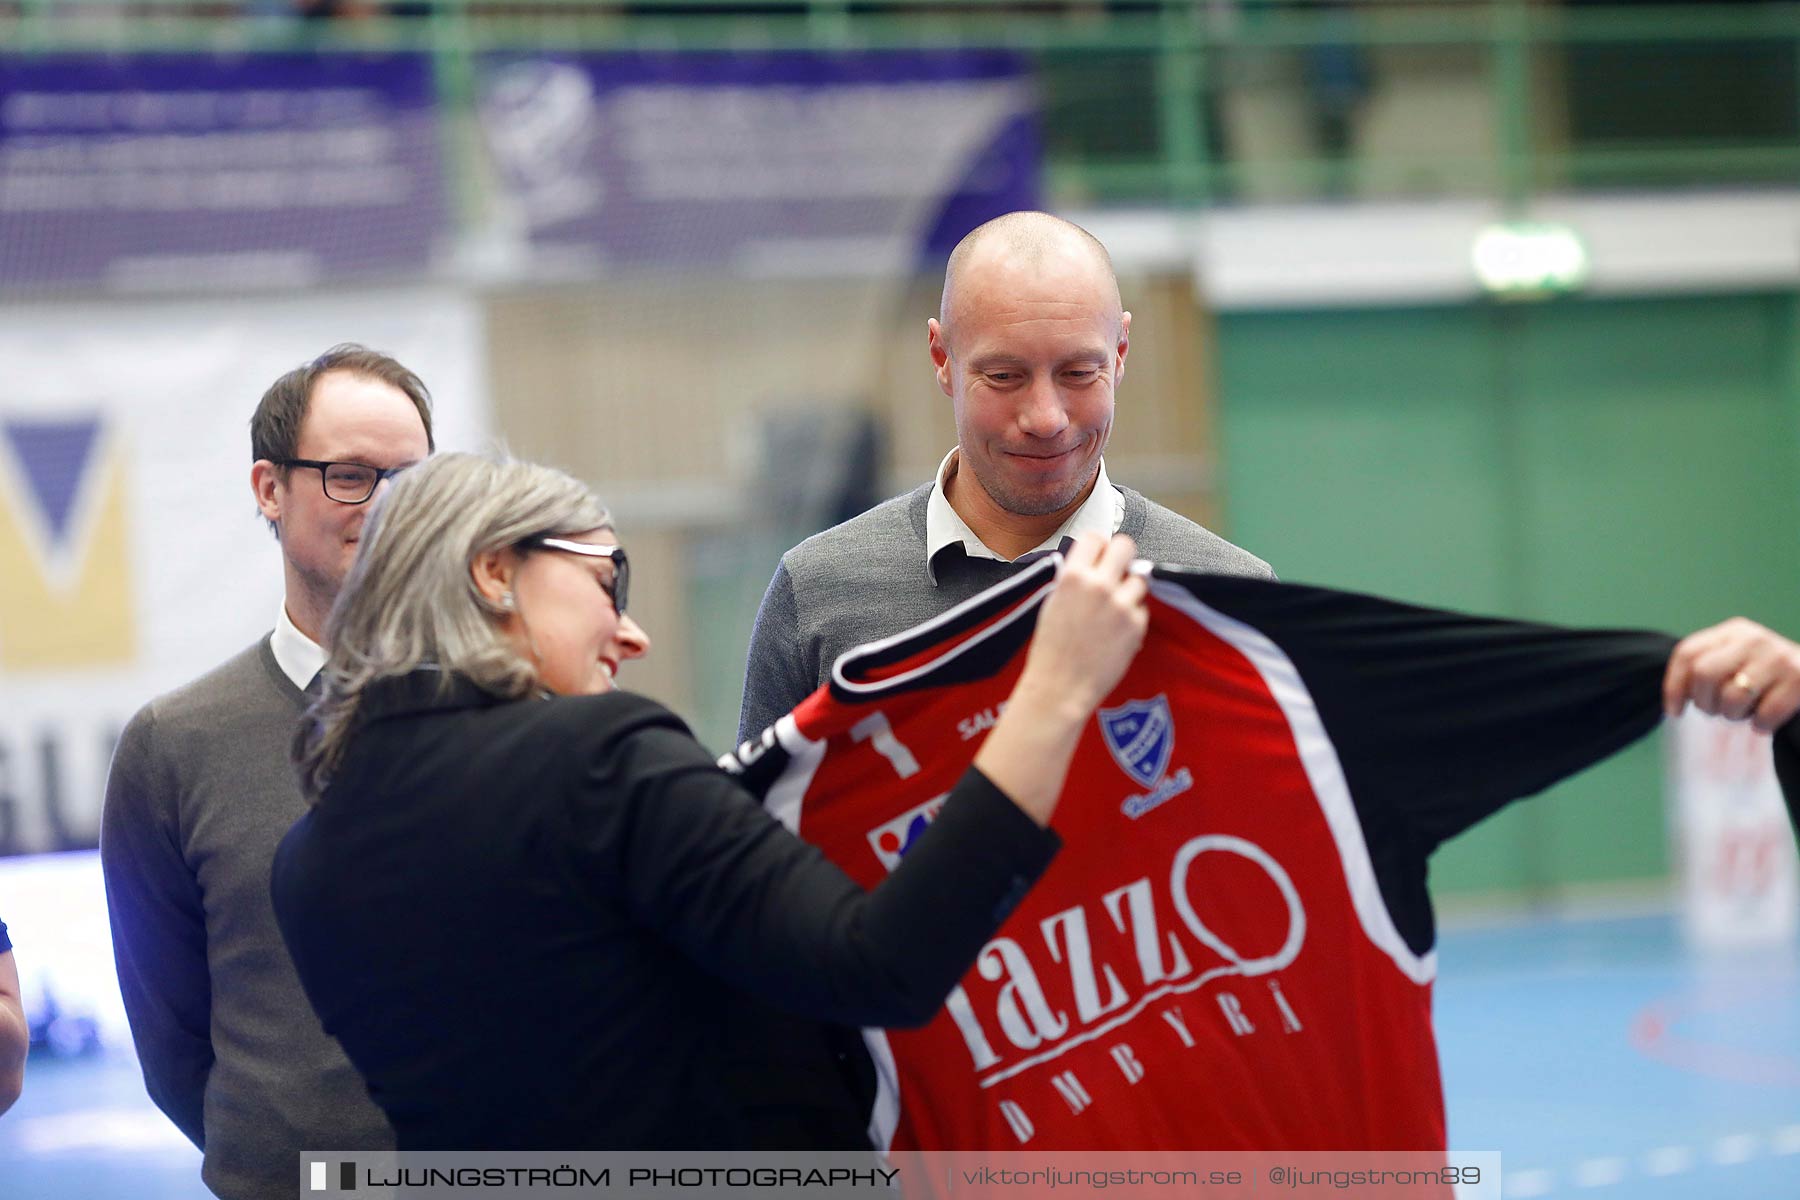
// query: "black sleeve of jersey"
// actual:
[[1441, 719]]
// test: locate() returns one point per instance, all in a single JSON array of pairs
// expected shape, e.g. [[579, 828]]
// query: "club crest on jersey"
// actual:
[[1140, 734], [892, 840]]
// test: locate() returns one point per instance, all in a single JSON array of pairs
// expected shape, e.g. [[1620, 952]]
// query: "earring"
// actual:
[[506, 601]]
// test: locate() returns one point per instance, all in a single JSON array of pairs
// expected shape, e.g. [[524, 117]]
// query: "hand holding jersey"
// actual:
[[1736, 669], [1091, 628]]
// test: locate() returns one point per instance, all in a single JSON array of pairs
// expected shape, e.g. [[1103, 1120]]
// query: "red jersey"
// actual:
[[1234, 949]]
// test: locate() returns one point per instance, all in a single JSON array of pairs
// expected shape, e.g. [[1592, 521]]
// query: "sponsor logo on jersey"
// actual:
[[65, 557], [1120, 983], [892, 840], [1140, 734], [976, 724]]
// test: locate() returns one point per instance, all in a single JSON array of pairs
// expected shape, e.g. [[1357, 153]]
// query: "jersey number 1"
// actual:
[[875, 730]]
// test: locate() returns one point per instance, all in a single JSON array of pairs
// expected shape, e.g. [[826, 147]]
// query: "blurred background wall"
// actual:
[[1483, 303]]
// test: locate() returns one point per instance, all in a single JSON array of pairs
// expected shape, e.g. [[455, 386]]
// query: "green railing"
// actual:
[[1139, 95]]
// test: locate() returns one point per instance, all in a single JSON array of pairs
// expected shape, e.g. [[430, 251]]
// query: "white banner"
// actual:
[[1739, 877], [132, 556]]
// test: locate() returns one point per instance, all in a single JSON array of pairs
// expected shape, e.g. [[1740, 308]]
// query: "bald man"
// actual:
[[1029, 345]]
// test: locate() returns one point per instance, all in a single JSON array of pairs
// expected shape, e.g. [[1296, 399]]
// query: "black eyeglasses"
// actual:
[[345, 482], [621, 580]]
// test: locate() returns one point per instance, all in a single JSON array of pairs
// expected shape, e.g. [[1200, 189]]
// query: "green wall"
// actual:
[[1596, 462]]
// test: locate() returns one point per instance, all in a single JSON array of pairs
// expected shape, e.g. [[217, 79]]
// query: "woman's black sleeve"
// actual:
[[691, 855]]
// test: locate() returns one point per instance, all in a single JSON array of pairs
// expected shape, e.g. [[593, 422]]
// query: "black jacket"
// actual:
[[528, 921]]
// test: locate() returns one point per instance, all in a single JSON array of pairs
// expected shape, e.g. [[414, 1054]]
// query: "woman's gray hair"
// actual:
[[410, 599]]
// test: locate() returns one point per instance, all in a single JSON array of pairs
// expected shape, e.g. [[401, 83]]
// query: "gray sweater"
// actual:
[[868, 579], [201, 790]]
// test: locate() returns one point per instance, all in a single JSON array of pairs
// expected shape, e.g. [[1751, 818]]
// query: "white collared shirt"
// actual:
[[298, 656], [1101, 513]]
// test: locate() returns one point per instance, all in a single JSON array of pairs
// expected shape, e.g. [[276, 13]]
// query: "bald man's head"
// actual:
[[1029, 348], [1029, 245]]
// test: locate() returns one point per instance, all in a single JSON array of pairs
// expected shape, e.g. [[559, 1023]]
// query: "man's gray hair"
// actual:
[[410, 600]]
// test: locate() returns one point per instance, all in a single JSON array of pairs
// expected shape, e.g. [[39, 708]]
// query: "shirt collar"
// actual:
[[1102, 513], [298, 656]]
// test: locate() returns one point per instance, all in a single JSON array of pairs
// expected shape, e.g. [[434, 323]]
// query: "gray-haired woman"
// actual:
[[524, 901]]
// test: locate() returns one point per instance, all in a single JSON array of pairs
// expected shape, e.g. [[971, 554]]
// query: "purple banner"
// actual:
[[777, 162], [192, 170]]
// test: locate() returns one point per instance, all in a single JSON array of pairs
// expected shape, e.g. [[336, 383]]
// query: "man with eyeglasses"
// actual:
[[202, 789]]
